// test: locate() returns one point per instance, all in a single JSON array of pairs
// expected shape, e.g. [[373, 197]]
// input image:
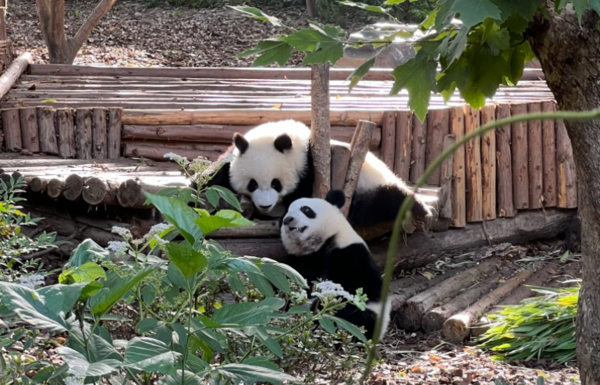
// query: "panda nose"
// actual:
[[265, 207], [288, 220]]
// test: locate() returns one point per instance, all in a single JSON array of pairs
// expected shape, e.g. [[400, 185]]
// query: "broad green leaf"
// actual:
[[276, 276], [182, 378], [263, 335], [223, 218], [306, 39], [517, 14], [497, 39], [261, 283], [115, 289], [147, 325], [260, 361], [90, 290], [328, 325], [457, 45], [45, 309], [366, 7], [473, 12], [393, 2], [595, 4], [228, 197], [187, 260], [257, 14], [418, 77], [361, 71], [332, 31], [328, 51], [101, 349], [269, 51], [247, 314], [349, 327], [86, 252], [251, 373], [179, 215], [83, 273], [580, 7], [213, 197], [149, 355], [80, 367]]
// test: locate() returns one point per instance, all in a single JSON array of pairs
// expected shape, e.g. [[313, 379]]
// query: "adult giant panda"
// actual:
[[323, 245], [272, 164]]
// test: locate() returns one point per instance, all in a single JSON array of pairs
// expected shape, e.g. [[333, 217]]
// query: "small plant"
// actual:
[[539, 327]]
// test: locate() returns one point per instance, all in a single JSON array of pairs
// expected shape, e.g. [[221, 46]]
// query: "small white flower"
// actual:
[[328, 289], [157, 229], [32, 281], [117, 247], [300, 297], [122, 232], [159, 240], [177, 158]]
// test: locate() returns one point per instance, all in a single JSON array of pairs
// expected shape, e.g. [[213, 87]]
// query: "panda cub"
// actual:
[[323, 245], [272, 165]]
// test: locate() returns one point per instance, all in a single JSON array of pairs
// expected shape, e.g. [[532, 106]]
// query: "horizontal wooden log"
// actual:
[[253, 116], [150, 151], [13, 72], [222, 72], [213, 133]]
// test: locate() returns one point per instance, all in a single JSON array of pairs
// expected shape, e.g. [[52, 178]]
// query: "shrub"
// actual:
[[128, 315]]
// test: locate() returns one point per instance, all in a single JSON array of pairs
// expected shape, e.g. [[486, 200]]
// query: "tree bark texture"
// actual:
[[570, 58], [320, 128], [63, 49]]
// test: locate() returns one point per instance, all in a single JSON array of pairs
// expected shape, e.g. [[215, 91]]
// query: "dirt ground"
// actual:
[[134, 35]]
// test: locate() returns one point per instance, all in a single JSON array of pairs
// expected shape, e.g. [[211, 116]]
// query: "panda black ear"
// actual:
[[336, 198], [240, 142], [283, 142]]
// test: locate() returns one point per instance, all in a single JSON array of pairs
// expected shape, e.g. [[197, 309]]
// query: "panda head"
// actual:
[[269, 161], [310, 222]]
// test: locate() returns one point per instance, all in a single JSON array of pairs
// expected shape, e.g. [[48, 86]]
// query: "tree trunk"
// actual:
[[51, 13], [570, 58], [311, 8]]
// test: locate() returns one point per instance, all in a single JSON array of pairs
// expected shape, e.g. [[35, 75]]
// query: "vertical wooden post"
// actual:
[[437, 128], [403, 145], [83, 133], [114, 132], [506, 208], [520, 157], [446, 170], [99, 134], [48, 142], [388, 138], [549, 155], [320, 129], [536, 173], [29, 129], [340, 157], [459, 211], [66, 132], [419, 138], [12, 129], [567, 186], [473, 168], [488, 164]]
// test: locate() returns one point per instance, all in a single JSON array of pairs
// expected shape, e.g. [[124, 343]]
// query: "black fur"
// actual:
[[381, 205], [283, 142], [336, 198], [240, 142], [353, 268]]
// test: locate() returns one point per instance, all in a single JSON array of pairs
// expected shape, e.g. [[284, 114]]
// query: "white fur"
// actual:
[[329, 222], [376, 308], [263, 162]]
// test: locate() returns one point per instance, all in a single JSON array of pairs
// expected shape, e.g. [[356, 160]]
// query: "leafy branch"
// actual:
[[404, 211]]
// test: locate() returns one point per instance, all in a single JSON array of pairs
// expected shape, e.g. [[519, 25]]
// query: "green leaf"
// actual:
[[580, 7], [332, 31], [595, 5], [223, 218], [187, 260], [213, 197], [45, 309], [257, 14], [276, 277], [418, 76], [328, 325], [83, 273], [261, 283], [306, 39], [248, 314], [80, 366], [260, 361], [497, 39], [86, 252], [517, 14], [179, 215], [181, 377], [328, 51], [366, 7], [252, 373], [115, 288], [361, 71], [149, 355], [269, 51], [228, 197], [349, 327], [393, 2], [473, 12], [147, 325]]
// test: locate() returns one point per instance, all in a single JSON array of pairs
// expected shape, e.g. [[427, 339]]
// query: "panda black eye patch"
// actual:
[[252, 185], [276, 185], [308, 212]]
